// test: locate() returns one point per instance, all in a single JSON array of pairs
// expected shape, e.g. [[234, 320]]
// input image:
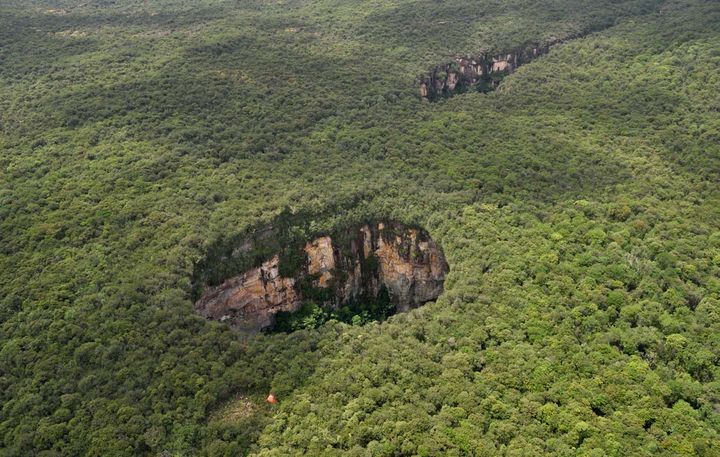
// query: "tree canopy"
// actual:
[[577, 205]]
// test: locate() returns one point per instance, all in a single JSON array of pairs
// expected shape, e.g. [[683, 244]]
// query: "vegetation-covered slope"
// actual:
[[578, 208]]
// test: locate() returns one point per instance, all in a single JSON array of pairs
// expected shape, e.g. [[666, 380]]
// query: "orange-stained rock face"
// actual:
[[412, 269], [404, 260], [320, 259], [249, 301]]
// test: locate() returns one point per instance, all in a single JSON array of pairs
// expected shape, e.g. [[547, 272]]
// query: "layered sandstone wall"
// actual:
[[406, 261], [249, 301], [486, 68]]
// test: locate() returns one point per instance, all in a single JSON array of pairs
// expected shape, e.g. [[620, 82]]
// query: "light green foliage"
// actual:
[[578, 208]]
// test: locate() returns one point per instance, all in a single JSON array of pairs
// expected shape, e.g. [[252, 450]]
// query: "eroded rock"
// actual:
[[484, 71], [250, 300], [355, 265]]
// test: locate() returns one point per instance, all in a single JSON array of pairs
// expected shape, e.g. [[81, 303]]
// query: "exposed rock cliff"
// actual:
[[403, 260], [483, 72], [251, 299]]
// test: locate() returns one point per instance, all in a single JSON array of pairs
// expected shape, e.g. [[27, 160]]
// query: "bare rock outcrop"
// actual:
[[405, 261], [483, 72], [250, 300]]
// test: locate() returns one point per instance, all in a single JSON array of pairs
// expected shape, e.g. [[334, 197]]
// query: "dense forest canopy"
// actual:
[[577, 206]]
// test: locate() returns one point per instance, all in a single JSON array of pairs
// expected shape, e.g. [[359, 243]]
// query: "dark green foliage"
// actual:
[[360, 311], [310, 316], [371, 264], [578, 208], [316, 294]]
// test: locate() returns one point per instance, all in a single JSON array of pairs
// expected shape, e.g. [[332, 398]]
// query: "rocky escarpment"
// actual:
[[250, 300], [482, 72], [358, 264]]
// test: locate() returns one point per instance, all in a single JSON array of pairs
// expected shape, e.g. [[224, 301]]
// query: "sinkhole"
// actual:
[[273, 280]]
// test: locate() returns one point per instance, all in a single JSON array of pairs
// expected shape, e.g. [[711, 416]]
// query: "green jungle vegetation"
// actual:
[[312, 315], [578, 207]]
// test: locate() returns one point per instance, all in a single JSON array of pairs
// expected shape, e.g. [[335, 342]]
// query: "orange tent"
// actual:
[[271, 399]]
